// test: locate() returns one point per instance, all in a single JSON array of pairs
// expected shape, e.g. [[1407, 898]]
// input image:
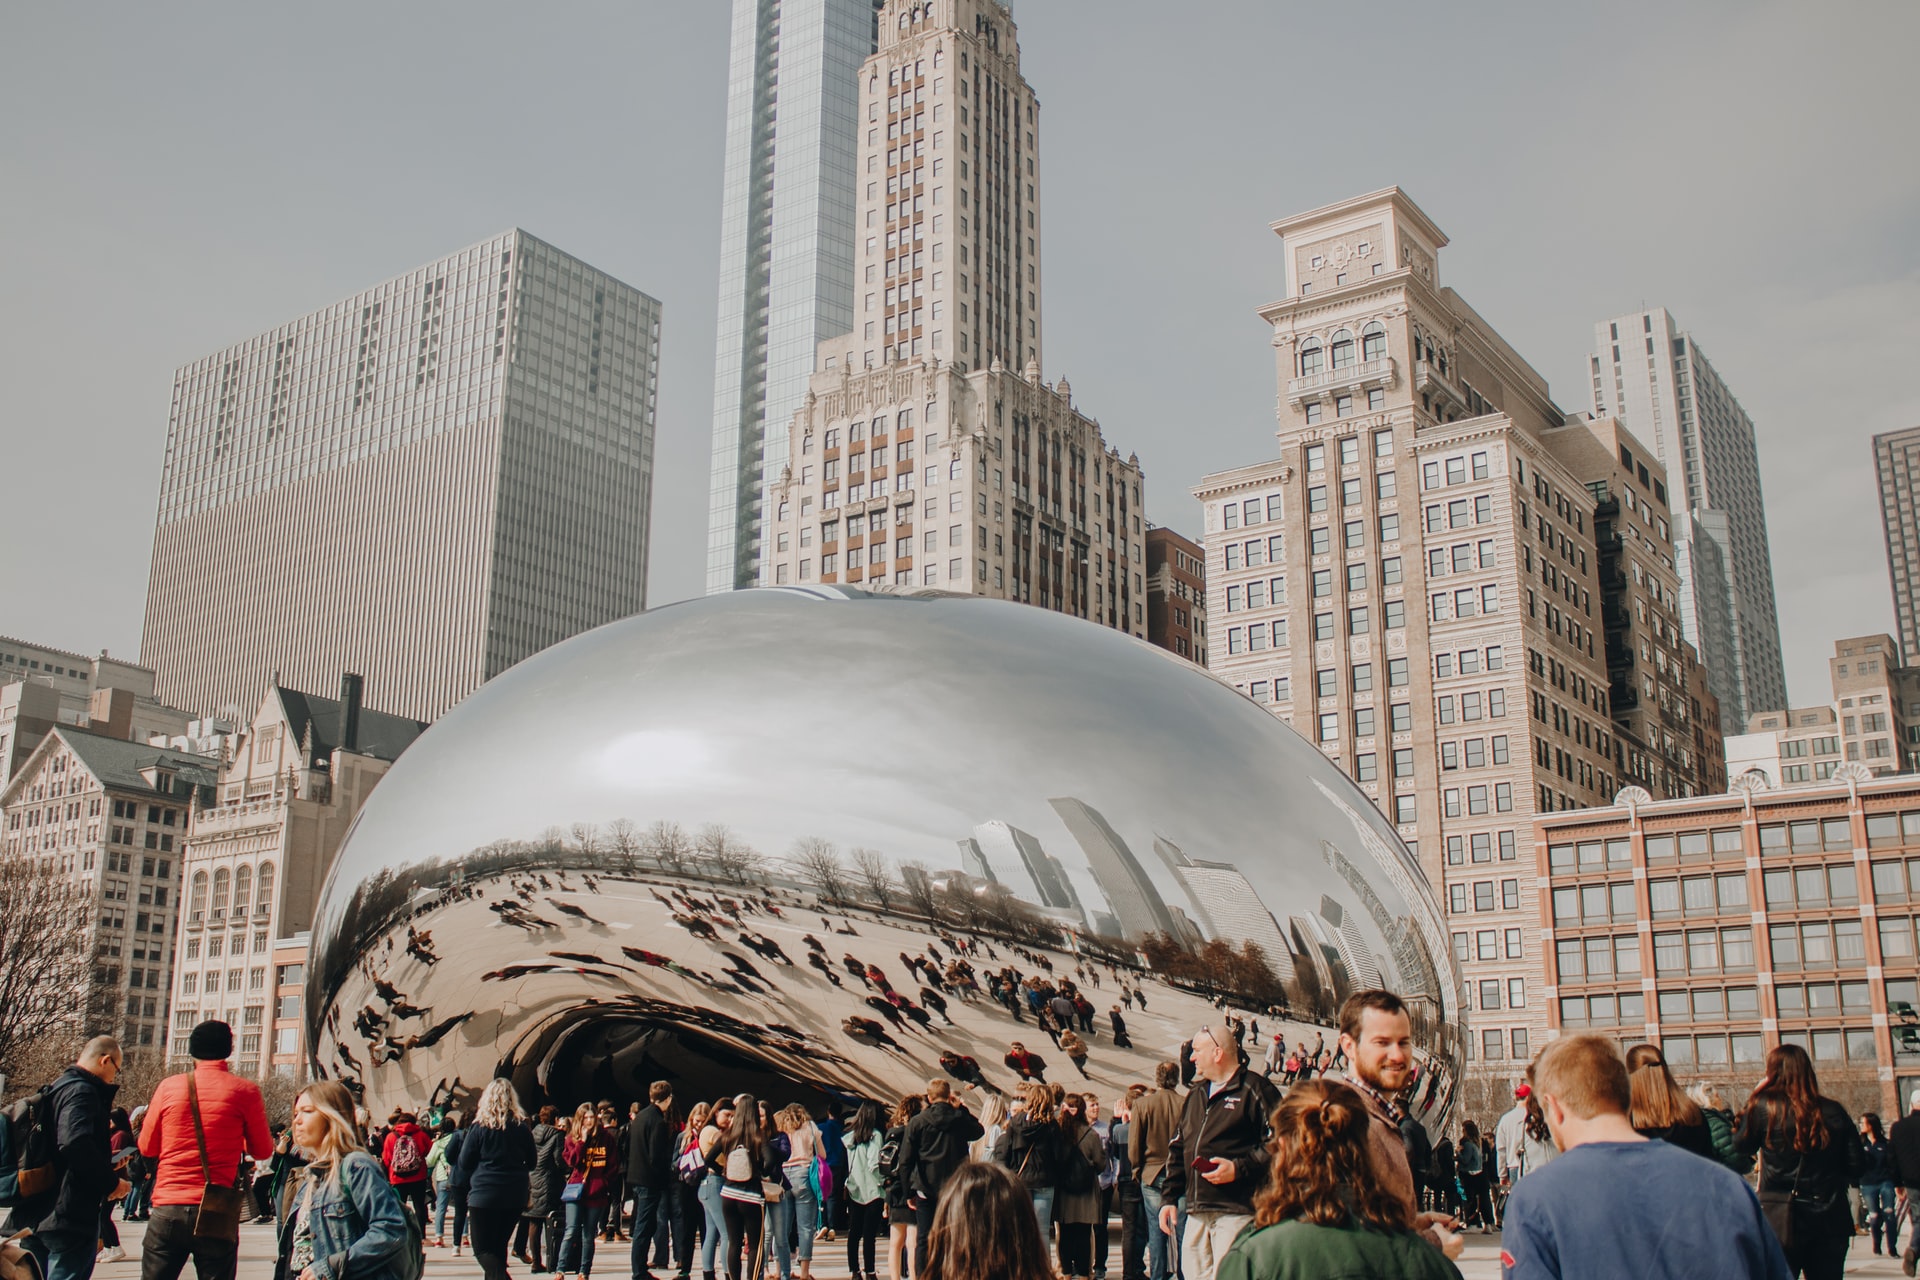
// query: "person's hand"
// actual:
[[1169, 1218], [1450, 1244], [120, 1190], [1435, 1220], [1222, 1173], [309, 1273]]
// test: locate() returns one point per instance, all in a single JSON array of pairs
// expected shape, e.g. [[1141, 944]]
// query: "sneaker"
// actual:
[[113, 1254]]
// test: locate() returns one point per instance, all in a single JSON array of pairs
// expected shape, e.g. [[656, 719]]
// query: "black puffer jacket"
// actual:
[[549, 1173], [80, 1102]]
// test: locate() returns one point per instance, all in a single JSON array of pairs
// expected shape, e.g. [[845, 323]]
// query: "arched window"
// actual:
[[879, 426], [1341, 349], [1373, 342], [905, 420], [263, 893], [242, 890], [220, 887], [198, 904], [1312, 359], [856, 430]]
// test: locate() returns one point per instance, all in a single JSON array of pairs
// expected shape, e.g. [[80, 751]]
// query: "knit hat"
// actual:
[[211, 1042]]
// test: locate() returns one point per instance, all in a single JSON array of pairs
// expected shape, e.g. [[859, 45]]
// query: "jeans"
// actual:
[[1881, 1219], [803, 1208], [63, 1255], [1159, 1254], [716, 1235], [865, 1224], [686, 1212], [1205, 1238], [1128, 1200], [647, 1204], [170, 1241], [456, 1197], [584, 1222], [1043, 1209]]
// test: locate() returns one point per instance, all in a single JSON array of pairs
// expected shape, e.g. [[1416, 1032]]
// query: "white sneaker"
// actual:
[[114, 1254]]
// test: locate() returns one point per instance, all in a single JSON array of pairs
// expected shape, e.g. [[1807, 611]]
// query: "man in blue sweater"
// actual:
[[1616, 1204]]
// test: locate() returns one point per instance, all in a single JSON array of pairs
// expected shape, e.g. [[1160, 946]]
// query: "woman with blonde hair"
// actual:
[[496, 1156], [800, 1206], [339, 1215], [1324, 1210], [1719, 1117], [993, 1121], [1660, 1109]]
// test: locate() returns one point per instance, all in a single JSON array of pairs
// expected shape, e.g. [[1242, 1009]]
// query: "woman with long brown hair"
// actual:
[[591, 1162], [985, 1229], [1324, 1210], [1660, 1109], [1076, 1205], [900, 1228], [1809, 1155]]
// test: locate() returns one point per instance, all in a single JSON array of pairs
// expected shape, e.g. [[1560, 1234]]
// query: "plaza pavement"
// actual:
[[1482, 1261]]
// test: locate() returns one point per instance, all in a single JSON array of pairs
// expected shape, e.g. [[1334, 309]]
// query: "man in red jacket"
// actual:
[[234, 1118]]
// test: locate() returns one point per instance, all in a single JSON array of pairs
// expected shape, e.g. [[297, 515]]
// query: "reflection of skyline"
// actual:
[[1352, 947], [1001, 853], [1228, 905], [1136, 904]]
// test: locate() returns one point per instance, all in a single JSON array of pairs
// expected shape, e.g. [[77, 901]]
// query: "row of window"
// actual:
[[1481, 894], [1482, 844], [256, 979], [1494, 1044], [1339, 350], [1347, 449], [1488, 944]]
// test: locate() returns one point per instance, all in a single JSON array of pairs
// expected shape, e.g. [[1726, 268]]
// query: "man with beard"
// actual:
[[1376, 1038]]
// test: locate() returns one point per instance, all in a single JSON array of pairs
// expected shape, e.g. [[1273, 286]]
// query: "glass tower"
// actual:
[[786, 247]]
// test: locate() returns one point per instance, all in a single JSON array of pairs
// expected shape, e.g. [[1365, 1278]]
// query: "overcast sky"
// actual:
[[180, 177]]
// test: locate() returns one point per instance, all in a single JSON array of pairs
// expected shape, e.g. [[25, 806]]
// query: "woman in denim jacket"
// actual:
[[341, 1219]]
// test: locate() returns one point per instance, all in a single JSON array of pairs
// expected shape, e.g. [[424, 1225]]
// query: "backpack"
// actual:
[[1077, 1176], [740, 1165], [407, 1162], [690, 1166], [889, 1160], [26, 1149]]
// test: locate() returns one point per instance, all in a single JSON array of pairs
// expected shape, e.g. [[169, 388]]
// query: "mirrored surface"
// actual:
[[843, 839]]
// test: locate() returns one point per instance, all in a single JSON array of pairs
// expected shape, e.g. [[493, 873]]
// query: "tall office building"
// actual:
[[927, 450], [425, 483], [1137, 905], [786, 246], [1649, 372], [1228, 906], [1896, 459], [1415, 583]]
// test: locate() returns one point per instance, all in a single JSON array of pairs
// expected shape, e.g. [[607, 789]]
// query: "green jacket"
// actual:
[[1302, 1251], [1720, 1126]]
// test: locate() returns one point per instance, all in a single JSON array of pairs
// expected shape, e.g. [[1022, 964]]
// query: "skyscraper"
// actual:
[[1136, 904], [1647, 371], [1004, 854], [928, 450], [425, 483], [786, 246], [1228, 905], [1896, 458]]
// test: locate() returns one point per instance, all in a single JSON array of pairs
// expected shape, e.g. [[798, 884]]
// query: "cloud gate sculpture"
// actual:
[[824, 840]]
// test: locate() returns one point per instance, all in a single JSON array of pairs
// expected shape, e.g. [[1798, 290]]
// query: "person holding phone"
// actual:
[[1217, 1159]]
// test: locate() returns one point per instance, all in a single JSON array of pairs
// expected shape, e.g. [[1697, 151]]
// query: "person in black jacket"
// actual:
[[496, 1156], [1218, 1159], [649, 1171], [1661, 1110], [934, 1145], [65, 1220], [1904, 1140], [1809, 1156]]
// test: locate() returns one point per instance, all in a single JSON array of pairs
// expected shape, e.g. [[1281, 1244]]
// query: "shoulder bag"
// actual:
[[220, 1206]]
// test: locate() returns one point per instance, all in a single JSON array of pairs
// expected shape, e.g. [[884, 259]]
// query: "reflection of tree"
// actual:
[[1243, 975], [668, 846], [623, 842], [921, 895], [586, 839], [732, 859], [875, 874], [819, 864]]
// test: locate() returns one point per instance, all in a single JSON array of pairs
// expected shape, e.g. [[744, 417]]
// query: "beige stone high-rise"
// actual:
[[425, 483], [1415, 582], [928, 450]]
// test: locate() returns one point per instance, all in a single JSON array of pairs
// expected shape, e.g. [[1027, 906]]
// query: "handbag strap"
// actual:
[[199, 1129]]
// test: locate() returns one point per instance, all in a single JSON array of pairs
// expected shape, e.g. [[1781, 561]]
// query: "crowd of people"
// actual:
[[1604, 1167]]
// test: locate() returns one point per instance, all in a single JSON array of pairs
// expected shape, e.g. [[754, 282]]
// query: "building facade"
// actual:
[[112, 816], [1177, 594], [927, 450], [253, 865], [1896, 462], [41, 687], [1787, 748], [1719, 927], [1415, 583], [1878, 702], [1652, 374], [786, 246], [425, 482]]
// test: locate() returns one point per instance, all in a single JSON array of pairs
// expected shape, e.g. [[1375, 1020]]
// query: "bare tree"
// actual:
[[871, 866], [586, 840], [667, 844], [623, 841], [919, 886], [731, 858], [819, 864], [44, 962]]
